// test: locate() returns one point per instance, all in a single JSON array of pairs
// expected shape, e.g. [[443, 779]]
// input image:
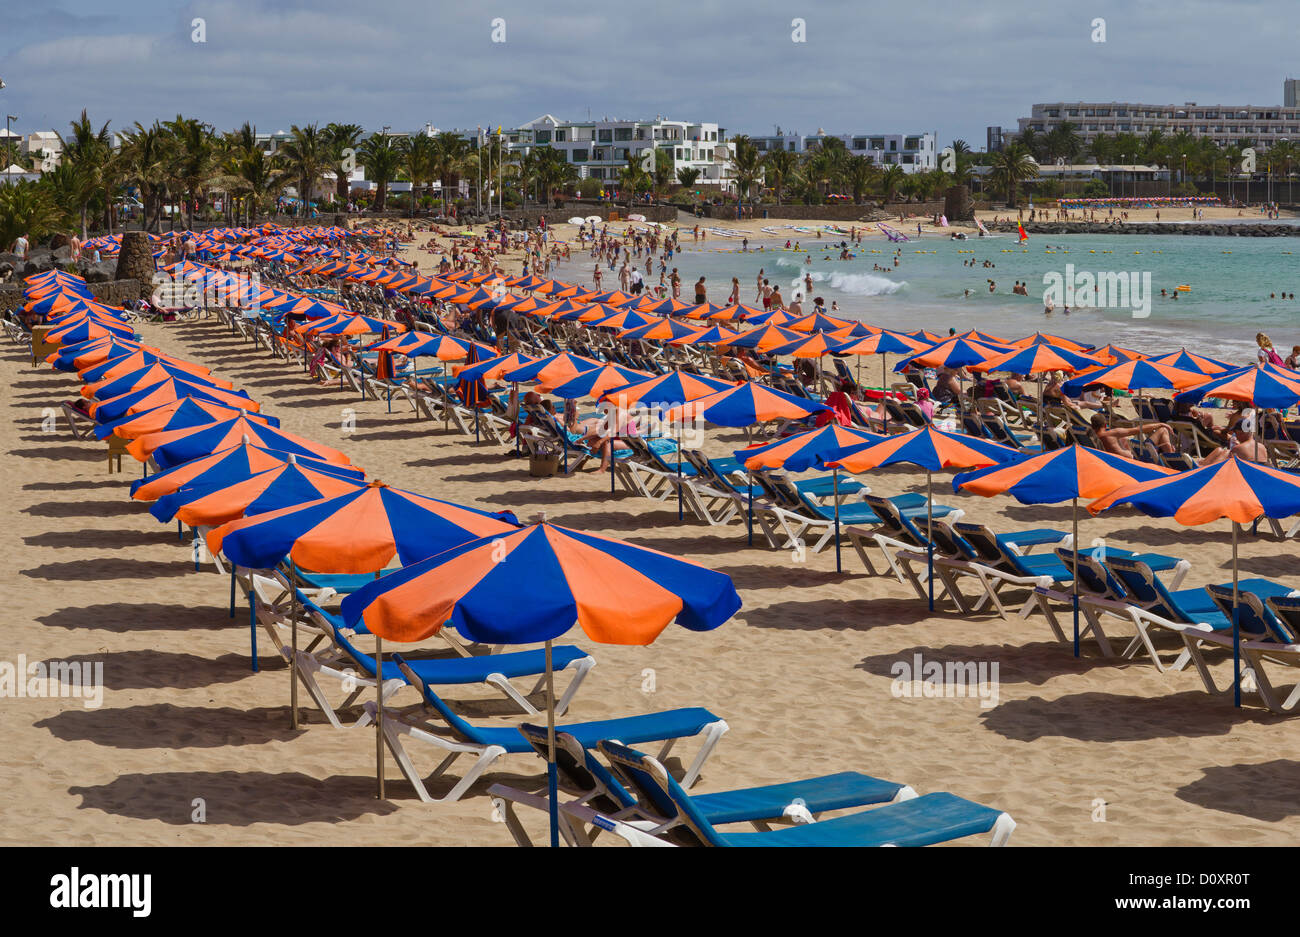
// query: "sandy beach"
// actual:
[[1079, 751]]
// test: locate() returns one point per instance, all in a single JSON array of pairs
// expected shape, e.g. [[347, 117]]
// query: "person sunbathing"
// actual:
[[601, 442], [1161, 435], [1244, 445]]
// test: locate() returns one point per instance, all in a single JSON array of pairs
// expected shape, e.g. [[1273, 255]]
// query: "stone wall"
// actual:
[[112, 292]]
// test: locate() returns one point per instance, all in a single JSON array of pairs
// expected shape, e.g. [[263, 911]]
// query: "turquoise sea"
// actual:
[[1230, 279]]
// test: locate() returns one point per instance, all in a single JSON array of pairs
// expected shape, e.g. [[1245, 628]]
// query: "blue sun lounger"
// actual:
[[1151, 604], [584, 774], [917, 821], [356, 670], [437, 724]]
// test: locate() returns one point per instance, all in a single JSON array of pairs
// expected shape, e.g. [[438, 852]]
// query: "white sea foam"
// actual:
[[855, 284]]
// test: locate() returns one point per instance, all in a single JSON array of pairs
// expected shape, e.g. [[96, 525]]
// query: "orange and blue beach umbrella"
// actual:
[[1265, 386], [616, 592], [933, 450], [174, 388], [358, 532], [745, 405], [176, 415], [552, 369], [1073, 472], [227, 467], [175, 446], [278, 487], [1233, 489]]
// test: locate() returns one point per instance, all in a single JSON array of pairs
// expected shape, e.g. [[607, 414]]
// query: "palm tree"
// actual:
[[340, 138], [662, 175], [632, 178], [382, 156], [891, 180], [746, 165], [450, 152], [1031, 140], [29, 208], [687, 176], [194, 160], [418, 161], [779, 166], [1012, 166], [144, 157], [88, 151], [1063, 141], [859, 173], [552, 170], [305, 155]]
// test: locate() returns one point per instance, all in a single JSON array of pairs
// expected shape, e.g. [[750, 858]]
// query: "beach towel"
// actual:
[[839, 404]]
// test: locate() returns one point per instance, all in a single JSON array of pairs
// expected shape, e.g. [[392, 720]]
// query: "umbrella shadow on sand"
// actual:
[[61, 454], [132, 617], [1034, 663], [89, 538], [236, 798], [72, 486], [1269, 791], [83, 508], [1111, 717], [112, 567], [156, 670], [162, 725], [835, 614]]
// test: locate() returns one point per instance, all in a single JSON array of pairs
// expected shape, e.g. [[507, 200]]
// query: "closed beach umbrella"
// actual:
[[1235, 489], [616, 592]]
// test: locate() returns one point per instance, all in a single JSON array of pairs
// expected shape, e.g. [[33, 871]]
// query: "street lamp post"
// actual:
[[9, 147]]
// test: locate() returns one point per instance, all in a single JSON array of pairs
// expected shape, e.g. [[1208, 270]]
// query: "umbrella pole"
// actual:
[[252, 626], [749, 514], [929, 536], [679, 478], [552, 781], [379, 714], [883, 394], [232, 590], [838, 567], [1236, 629], [1074, 587], [293, 660]]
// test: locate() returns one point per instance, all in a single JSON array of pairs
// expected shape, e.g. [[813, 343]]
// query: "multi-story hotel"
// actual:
[[914, 152], [1225, 124]]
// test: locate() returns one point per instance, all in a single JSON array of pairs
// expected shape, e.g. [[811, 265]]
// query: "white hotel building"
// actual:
[[1224, 123], [915, 152], [600, 149]]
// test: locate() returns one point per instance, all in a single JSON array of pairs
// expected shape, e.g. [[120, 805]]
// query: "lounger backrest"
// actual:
[[984, 543], [365, 663], [778, 488], [651, 781], [1143, 586], [946, 540], [1287, 610], [893, 521], [1252, 616], [1092, 576], [458, 725], [582, 769]]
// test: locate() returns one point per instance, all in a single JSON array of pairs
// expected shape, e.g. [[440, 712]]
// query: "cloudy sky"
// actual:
[[952, 68]]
